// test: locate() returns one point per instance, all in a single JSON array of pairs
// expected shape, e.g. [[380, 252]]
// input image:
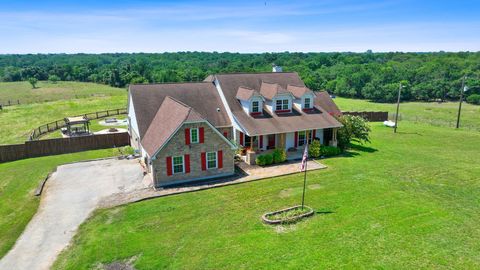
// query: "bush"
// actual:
[[279, 155], [53, 78], [268, 159], [330, 151], [260, 160], [314, 149], [474, 99]]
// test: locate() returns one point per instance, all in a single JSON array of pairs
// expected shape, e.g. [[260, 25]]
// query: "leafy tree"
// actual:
[[374, 76], [33, 81], [474, 99], [355, 128], [53, 78]]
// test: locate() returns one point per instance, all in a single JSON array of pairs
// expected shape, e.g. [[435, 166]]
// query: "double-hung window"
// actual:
[[194, 135], [307, 103], [301, 138], [255, 106], [281, 104], [178, 165], [211, 160]]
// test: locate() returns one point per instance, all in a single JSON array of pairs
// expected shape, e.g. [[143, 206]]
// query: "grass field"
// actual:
[[432, 113], [48, 91], [409, 200], [18, 181], [16, 122]]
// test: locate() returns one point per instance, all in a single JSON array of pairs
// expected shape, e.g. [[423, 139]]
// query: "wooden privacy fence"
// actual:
[[370, 116], [58, 124], [62, 146]]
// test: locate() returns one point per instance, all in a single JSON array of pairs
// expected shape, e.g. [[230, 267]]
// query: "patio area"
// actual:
[[254, 172]]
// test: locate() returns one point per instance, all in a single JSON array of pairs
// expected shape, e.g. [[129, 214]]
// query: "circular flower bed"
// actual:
[[288, 215]]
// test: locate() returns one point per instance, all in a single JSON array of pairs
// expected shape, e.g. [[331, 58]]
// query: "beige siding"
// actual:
[[177, 147]]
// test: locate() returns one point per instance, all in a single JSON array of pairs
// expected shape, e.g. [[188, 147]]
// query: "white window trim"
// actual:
[[198, 135], [173, 164], [309, 138], [216, 160], [304, 99], [282, 99], [251, 106]]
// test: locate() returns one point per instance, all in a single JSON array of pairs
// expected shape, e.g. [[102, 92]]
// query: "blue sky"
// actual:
[[238, 26]]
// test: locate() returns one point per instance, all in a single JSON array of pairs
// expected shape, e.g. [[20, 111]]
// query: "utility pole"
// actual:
[[398, 107], [461, 100]]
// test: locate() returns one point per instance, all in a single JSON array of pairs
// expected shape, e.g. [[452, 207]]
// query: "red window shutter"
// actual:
[[220, 159], [261, 141], [202, 134], [314, 133], [296, 138], [204, 161], [241, 138], [187, 163], [187, 136], [169, 166]]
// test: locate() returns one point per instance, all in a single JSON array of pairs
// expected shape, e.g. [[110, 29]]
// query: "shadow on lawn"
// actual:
[[324, 212], [362, 148], [355, 148]]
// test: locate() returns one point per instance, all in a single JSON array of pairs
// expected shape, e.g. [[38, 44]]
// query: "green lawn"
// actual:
[[48, 91], [408, 200], [16, 122], [18, 181], [70, 98], [432, 113]]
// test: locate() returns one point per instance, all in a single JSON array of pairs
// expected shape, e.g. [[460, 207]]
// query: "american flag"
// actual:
[[304, 159]]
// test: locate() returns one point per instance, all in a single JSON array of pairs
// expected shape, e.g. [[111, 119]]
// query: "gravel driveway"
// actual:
[[69, 197]]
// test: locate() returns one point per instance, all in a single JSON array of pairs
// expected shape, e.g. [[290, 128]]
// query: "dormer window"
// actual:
[[255, 106], [307, 103], [282, 105]]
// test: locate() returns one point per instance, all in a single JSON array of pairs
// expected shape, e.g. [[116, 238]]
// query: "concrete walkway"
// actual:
[[251, 173], [69, 197]]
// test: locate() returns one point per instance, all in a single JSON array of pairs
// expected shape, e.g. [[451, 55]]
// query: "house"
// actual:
[[184, 131]]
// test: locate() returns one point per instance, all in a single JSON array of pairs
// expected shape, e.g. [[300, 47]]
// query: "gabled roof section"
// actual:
[[244, 93], [203, 97], [270, 90], [169, 118], [298, 91], [325, 101]]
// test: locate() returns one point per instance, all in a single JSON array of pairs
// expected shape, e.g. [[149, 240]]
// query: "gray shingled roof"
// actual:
[[273, 123], [201, 96]]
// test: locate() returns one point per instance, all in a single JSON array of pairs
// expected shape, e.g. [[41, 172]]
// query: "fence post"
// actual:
[[9, 102]]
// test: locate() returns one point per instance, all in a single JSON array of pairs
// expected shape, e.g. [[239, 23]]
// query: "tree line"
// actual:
[[373, 76]]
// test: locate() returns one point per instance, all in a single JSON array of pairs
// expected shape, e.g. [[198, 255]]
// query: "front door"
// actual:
[[271, 141]]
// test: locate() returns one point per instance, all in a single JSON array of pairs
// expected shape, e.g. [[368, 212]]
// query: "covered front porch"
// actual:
[[293, 142]]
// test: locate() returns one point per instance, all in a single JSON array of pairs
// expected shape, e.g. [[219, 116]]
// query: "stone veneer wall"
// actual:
[[177, 147], [229, 131]]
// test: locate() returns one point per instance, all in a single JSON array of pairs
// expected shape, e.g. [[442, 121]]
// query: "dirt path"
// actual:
[[69, 197]]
